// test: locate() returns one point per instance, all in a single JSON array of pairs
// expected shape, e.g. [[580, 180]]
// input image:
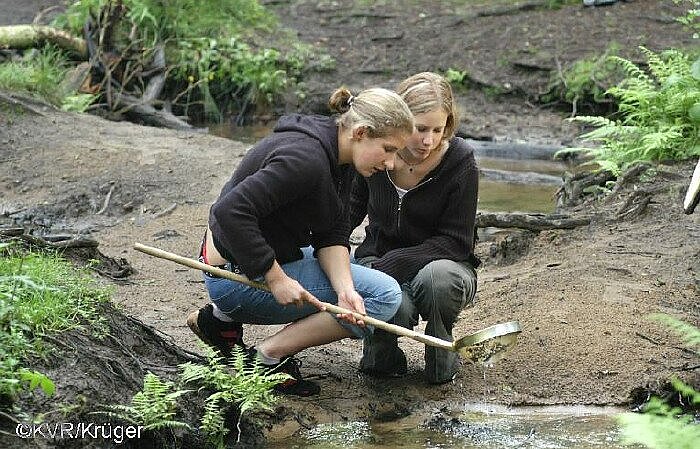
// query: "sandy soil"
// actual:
[[582, 296]]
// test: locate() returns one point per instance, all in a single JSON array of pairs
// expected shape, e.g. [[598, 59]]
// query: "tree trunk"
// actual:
[[21, 37]]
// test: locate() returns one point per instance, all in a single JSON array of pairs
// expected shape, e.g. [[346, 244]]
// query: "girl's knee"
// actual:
[[386, 304], [393, 303], [445, 282]]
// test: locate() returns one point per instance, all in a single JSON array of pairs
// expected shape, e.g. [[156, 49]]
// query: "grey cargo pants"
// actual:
[[439, 291]]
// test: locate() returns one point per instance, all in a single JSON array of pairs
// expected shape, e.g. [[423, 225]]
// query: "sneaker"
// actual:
[[297, 385], [221, 335]]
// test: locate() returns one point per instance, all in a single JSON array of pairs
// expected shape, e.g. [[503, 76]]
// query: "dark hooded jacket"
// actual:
[[287, 192], [434, 220]]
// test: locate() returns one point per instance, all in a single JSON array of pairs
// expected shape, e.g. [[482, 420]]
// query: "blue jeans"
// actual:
[[381, 293]]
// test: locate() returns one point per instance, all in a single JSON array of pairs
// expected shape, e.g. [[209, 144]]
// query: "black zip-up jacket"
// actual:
[[287, 192], [434, 220]]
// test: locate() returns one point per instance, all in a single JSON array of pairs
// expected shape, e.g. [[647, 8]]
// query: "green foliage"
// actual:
[[662, 426], [208, 47], [152, 408], [455, 77], [230, 69], [174, 19], [688, 333], [656, 113], [39, 72], [39, 294], [37, 380], [78, 102], [586, 80], [692, 17], [242, 384]]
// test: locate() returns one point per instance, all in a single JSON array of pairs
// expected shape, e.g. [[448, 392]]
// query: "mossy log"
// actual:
[[21, 37]]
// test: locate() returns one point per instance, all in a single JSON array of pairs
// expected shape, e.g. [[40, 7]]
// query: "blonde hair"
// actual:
[[381, 111], [428, 91]]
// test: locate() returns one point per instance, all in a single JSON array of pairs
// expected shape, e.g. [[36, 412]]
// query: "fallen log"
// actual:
[[531, 222], [21, 37]]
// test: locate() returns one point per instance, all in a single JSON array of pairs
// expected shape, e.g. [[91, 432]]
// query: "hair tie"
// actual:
[[351, 100]]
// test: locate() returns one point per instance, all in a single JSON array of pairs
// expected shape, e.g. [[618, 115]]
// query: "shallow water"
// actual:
[[516, 197], [480, 426], [506, 197]]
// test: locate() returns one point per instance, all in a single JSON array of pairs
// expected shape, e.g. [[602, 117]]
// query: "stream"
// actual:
[[482, 426]]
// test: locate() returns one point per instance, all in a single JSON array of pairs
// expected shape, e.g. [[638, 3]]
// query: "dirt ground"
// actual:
[[582, 296]]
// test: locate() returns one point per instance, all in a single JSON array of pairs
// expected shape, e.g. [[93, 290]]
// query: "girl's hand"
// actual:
[[287, 290], [351, 300]]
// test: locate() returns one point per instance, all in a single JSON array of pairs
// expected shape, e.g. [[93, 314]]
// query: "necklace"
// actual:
[[410, 166]]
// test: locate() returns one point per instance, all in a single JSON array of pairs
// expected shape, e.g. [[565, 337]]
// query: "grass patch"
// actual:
[[38, 72], [40, 294]]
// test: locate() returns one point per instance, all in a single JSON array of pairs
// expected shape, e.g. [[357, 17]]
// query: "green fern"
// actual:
[[236, 383], [654, 121], [633, 72], [689, 333], [585, 81], [692, 17], [662, 426], [153, 408]]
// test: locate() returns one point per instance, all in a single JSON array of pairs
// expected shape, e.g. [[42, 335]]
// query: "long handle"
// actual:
[[392, 328]]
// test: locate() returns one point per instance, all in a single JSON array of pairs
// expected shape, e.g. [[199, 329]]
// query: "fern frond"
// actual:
[[658, 432], [689, 333], [632, 70], [119, 412], [686, 390], [153, 407], [168, 424]]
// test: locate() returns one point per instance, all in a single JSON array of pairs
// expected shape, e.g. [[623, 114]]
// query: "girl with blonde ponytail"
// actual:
[[281, 219]]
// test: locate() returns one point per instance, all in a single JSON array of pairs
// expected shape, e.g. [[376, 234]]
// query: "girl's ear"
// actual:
[[359, 133]]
